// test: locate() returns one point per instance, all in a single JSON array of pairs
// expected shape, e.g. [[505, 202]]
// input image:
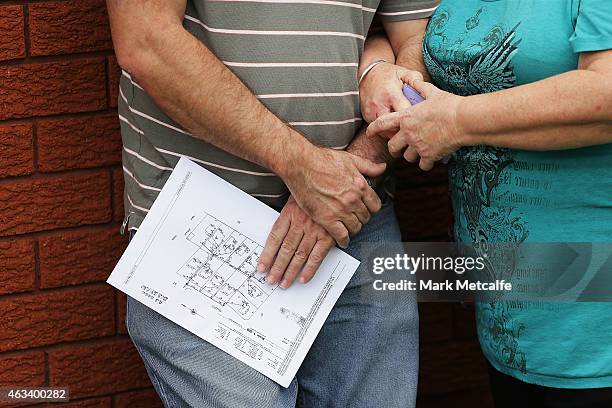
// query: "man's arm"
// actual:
[[296, 246], [194, 88]]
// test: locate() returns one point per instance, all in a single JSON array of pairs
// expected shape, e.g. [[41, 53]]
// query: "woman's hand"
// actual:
[[380, 92], [429, 130]]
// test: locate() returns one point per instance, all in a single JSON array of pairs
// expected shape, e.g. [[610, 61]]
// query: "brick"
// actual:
[[114, 75], [12, 40], [435, 322], [52, 88], [451, 366], [118, 185], [72, 258], [423, 213], [25, 369], [16, 150], [138, 399], [86, 403], [66, 27], [50, 317], [78, 143], [121, 310], [101, 368], [17, 265], [54, 202]]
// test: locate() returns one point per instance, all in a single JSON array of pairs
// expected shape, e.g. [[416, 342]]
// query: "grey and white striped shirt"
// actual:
[[300, 57]]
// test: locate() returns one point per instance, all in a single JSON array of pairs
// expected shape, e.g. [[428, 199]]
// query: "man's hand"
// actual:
[[329, 185], [426, 132], [295, 244], [380, 92]]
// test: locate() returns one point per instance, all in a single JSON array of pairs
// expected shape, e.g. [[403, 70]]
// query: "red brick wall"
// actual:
[[61, 208]]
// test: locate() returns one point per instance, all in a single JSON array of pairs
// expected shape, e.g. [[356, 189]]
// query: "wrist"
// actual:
[[369, 68], [295, 147]]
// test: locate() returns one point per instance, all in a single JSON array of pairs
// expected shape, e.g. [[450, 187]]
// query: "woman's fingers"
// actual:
[[384, 124], [411, 155], [398, 143], [426, 89], [426, 164]]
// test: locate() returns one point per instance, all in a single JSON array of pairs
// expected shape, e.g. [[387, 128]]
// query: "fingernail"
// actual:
[[302, 279], [284, 284], [271, 280], [261, 267]]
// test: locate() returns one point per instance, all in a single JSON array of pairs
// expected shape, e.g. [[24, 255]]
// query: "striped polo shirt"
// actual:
[[299, 57]]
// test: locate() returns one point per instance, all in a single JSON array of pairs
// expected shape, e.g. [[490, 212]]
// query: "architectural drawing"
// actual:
[[224, 267]]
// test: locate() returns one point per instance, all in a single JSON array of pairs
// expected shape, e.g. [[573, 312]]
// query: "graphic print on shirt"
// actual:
[[464, 67]]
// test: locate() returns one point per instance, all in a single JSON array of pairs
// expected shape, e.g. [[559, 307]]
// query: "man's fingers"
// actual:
[[352, 224], [273, 242], [426, 164], [318, 253], [411, 155], [339, 233], [368, 167], [362, 213], [371, 200], [299, 259], [384, 124], [285, 253]]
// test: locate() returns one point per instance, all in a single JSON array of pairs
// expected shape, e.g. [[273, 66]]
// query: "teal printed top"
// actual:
[[511, 196]]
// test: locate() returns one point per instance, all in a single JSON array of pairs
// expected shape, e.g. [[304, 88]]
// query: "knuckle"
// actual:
[[360, 183], [273, 236], [300, 255], [315, 259], [287, 247]]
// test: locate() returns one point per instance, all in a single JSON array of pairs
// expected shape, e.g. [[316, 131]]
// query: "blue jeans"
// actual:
[[366, 354]]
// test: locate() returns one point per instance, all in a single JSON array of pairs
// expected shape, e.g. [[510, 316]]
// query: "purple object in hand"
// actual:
[[412, 95]]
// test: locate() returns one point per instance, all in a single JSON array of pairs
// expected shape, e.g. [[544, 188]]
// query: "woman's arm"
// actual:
[[565, 111]]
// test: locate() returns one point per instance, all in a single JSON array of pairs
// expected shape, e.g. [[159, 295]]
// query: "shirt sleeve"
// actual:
[[593, 30], [401, 10]]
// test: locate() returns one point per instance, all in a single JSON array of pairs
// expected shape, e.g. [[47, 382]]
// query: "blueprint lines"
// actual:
[[224, 267]]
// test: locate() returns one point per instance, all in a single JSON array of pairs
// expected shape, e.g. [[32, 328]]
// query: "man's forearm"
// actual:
[[199, 92], [372, 148]]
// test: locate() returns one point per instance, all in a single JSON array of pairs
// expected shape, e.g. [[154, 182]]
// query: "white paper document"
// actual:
[[194, 260]]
